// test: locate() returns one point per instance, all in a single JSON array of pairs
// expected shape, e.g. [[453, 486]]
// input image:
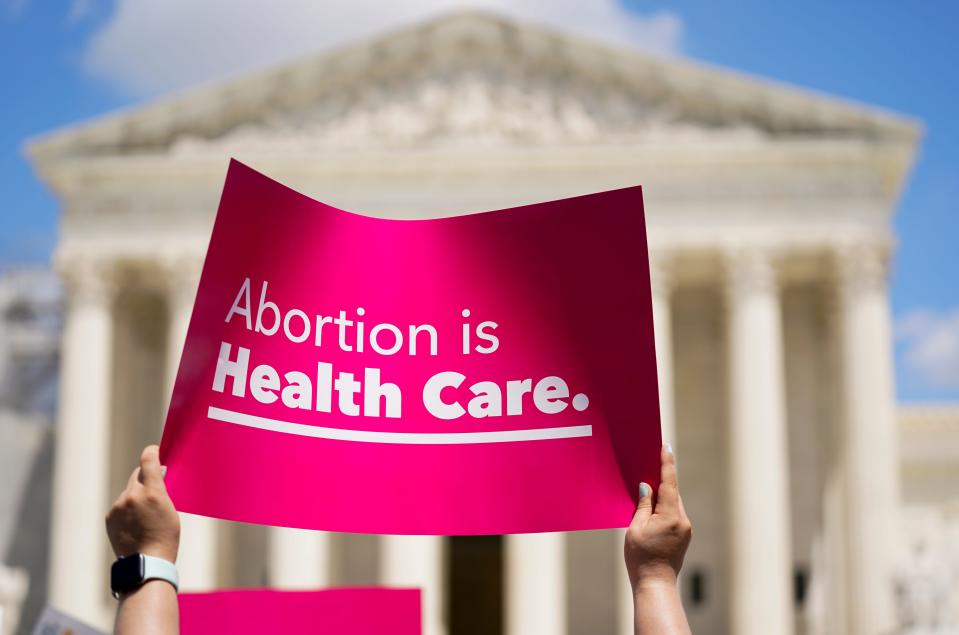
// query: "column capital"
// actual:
[[750, 270], [87, 280], [181, 276], [862, 267]]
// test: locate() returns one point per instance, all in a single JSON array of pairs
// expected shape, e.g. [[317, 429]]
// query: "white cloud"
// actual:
[[932, 346], [148, 46]]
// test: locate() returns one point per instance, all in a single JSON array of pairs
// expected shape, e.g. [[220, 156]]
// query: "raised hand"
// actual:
[[143, 519], [656, 544]]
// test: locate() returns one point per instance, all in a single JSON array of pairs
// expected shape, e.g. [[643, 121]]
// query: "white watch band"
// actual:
[[160, 569]]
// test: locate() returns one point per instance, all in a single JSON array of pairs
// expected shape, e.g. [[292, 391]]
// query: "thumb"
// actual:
[[151, 473], [645, 507]]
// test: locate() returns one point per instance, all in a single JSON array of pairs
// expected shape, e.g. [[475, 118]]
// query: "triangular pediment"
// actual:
[[475, 78]]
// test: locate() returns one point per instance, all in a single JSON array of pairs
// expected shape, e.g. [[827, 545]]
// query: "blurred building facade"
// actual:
[[928, 581], [769, 218], [30, 313]]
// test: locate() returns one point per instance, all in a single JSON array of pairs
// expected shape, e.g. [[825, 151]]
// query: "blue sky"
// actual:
[[66, 60]]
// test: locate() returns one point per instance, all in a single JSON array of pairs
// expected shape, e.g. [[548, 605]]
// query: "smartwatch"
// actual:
[[130, 572]]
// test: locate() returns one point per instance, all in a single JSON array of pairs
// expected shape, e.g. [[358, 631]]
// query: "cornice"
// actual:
[[929, 418], [580, 90], [849, 164], [929, 438]]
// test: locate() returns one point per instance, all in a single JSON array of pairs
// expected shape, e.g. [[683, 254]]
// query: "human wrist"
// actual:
[[163, 551], [129, 573], [149, 587], [652, 577], [655, 592]]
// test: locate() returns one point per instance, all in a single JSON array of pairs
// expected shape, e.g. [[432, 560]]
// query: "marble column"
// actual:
[[197, 560], [759, 462], [299, 559], [182, 277], [79, 549], [871, 449], [14, 584], [624, 591], [660, 279], [417, 561], [536, 584]]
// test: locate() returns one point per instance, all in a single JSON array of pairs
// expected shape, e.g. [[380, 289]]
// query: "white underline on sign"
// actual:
[[409, 438]]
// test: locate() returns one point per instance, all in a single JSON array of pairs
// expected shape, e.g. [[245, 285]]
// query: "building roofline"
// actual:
[[717, 90]]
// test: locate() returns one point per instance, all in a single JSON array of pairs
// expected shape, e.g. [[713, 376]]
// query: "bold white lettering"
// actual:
[[324, 386], [515, 390], [299, 392], [347, 386], [549, 395], [263, 381], [488, 401], [433, 395], [225, 367], [373, 391]]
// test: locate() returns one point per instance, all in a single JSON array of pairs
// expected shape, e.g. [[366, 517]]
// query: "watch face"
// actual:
[[127, 573]]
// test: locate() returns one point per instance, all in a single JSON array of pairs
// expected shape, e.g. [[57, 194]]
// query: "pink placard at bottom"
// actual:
[[348, 611]]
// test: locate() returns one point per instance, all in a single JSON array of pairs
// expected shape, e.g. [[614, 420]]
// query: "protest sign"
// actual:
[[348, 611], [487, 373]]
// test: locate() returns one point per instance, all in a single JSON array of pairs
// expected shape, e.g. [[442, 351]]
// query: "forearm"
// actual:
[[658, 610], [150, 610]]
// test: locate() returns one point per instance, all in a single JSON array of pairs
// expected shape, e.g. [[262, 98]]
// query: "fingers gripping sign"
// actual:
[[151, 472], [660, 532], [143, 519]]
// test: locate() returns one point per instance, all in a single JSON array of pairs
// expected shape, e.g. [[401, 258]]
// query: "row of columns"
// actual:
[[535, 564], [760, 549], [759, 461]]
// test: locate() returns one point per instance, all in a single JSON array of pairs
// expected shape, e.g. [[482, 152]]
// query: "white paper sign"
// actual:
[[53, 622]]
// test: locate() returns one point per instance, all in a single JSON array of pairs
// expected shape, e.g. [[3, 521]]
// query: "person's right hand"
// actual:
[[657, 538], [143, 519]]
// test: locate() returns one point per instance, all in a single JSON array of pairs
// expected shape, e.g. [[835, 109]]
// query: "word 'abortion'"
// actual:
[[352, 335]]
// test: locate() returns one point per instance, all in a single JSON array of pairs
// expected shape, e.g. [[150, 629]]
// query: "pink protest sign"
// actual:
[[348, 611], [488, 373]]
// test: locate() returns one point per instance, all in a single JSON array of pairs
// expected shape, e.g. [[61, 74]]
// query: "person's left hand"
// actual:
[[658, 537], [143, 519]]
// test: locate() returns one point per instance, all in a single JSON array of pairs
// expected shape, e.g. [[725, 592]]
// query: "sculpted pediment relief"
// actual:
[[474, 78], [469, 107]]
